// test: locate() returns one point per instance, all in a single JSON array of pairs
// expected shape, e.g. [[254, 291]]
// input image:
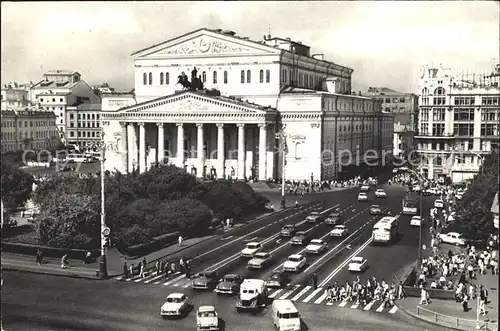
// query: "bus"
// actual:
[[385, 230], [410, 204]]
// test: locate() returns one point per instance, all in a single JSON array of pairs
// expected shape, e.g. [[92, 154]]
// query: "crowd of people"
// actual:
[[296, 187], [161, 267]]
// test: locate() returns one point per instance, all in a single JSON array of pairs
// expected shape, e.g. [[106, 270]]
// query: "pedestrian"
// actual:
[[158, 267], [296, 204], [315, 280], [179, 240], [125, 270], [188, 269], [64, 261], [87, 257], [141, 272], [132, 270], [182, 264], [144, 261], [401, 292], [465, 302], [38, 256], [424, 298]]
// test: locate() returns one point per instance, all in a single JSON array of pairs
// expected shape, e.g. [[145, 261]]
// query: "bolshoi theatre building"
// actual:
[[224, 106]]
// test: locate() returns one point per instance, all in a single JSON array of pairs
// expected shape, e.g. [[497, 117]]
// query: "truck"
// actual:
[[253, 295]]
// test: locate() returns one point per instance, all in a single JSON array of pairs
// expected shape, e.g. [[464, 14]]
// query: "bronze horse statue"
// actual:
[[182, 79]]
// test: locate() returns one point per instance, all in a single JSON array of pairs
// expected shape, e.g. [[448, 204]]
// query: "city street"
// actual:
[[40, 302]]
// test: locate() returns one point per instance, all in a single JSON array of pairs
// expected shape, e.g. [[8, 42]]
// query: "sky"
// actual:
[[385, 42]]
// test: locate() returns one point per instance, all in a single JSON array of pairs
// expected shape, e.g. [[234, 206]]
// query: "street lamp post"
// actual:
[[281, 137], [103, 267]]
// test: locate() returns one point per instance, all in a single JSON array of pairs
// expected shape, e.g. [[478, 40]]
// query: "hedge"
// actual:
[[154, 245], [28, 249]]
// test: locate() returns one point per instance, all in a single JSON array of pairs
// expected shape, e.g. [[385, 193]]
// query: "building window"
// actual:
[[225, 77], [167, 78], [488, 115], [438, 129], [161, 78], [41, 99], [268, 76], [150, 78], [489, 101], [204, 77], [439, 91], [261, 76], [387, 100], [285, 78], [145, 79], [215, 77], [438, 114], [463, 129], [464, 101], [249, 76], [463, 114], [401, 99], [71, 134], [489, 130], [242, 76]]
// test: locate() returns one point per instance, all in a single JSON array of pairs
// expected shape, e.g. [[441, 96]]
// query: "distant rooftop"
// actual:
[[89, 106], [381, 90], [61, 72]]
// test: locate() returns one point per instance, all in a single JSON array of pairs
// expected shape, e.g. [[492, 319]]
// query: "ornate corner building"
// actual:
[[223, 121]]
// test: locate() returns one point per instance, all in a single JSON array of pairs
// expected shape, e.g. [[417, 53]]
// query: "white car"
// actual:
[[362, 197], [176, 305], [459, 196], [357, 264], [339, 231], [250, 249], [417, 188], [314, 217], [316, 246], [365, 188], [207, 319], [380, 193], [416, 221], [294, 263], [438, 203], [453, 238]]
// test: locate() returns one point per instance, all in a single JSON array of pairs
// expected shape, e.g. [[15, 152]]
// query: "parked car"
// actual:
[[357, 264], [333, 219], [294, 263], [278, 278], [316, 246], [339, 231], [204, 280], [453, 238], [176, 304], [260, 260], [229, 284], [375, 210]]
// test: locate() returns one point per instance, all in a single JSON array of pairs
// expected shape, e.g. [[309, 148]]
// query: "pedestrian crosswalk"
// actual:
[[297, 293]]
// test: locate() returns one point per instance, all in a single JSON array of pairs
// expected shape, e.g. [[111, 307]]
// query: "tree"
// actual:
[[70, 221], [184, 215], [17, 185]]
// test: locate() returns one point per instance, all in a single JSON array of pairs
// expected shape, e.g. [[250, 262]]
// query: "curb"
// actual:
[[428, 320]]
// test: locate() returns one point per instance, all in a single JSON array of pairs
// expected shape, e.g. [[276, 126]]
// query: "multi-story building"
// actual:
[[14, 95], [28, 129], [458, 122], [83, 125], [60, 89], [216, 104], [404, 106]]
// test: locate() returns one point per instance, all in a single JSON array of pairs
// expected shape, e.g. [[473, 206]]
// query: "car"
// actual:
[[380, 193], [260, 260], [278, 278], [459, 196], [314, 217], [339, 231], [207, 319], [375, 210], [357, 264], [176, 304], [365, 188], [438, 203], [229, 284], [416, 221], [316, 246], [300, 238], [453, 238], [250, 249], [427, 192], [294, 263], [333, 219], [362, 197], [288, 230], [204, 280]]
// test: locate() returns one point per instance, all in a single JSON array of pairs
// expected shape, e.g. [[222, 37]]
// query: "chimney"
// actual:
[[359, 93]]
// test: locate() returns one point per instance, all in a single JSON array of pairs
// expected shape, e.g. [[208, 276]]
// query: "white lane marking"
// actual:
[[301, 293], [286, 295], [226, 238], [393, 309], [312, 294], [174, 280], [251, 239], [329, 303], [381, 308], [355, 306], [140, 279], [154, 278], [320, 299], [275, 293], [369, 305], [133, 278], [186, 285], [343, 304], [119, 278]]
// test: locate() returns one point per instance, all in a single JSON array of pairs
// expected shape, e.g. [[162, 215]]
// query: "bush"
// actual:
[[16, 185]]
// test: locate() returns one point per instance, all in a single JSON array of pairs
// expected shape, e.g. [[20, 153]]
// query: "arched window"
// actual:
[[268, 76], [150, 78], [145, 79], [425, 91], [261, 76], [161, 78], [439, 91], [215, 77], [298, 150], [204, 77], [242, 76], [167, 78], [225, 77], [249, 76]]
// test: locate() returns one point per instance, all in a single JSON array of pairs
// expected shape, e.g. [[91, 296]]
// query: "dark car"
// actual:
[[375, 210], [333, 219], [300, 238], [229, 284], [288, 230], [278, 279], [205, 280]]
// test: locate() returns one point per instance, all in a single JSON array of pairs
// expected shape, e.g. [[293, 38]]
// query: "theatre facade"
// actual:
[[215, 104]]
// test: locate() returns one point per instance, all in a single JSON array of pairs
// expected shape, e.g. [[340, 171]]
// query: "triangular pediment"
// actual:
[[197, 102], [205, 42]]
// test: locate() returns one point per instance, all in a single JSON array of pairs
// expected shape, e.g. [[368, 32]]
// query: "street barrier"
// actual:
[[29, 249], [455, 322]]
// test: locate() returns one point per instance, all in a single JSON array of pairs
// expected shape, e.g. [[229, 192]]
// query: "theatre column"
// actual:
[[200, 154], [180, 145], [142, 147], [241, 151], [220, 150], [124, 150], [262, 151], [132, 147], [161, 143]]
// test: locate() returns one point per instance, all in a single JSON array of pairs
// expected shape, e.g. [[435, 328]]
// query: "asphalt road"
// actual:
[[41, 302]]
